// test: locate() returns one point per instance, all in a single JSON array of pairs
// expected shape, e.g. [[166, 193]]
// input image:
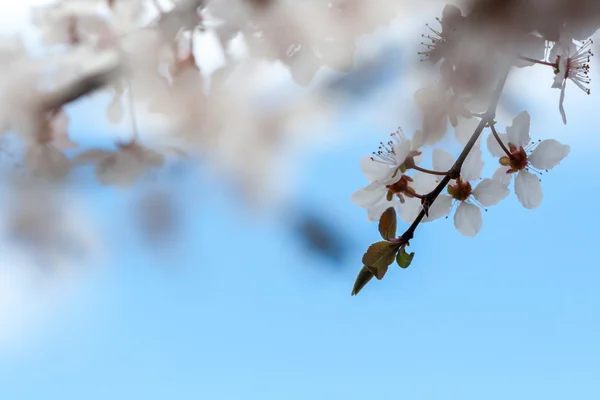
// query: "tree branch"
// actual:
[[454, 172], [80, 88]]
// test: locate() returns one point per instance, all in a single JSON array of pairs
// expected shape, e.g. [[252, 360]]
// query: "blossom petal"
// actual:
[[561, 107], [375, 210], [501, 175], [418, 158], [493, 146], [402, 148], [409, 210], [528, 189], [518, 132], [424, 183], [490, 192], [368, 195], [468, 219], [557, 83], [548, 154], [374, 170], [442, 160], [465, 128], [440, 208], [427, 98], [473, 165], [434, 128]]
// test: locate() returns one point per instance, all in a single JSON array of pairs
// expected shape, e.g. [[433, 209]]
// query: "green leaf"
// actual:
[[387, 224], [364, 276], [404, 259], [379, 257]]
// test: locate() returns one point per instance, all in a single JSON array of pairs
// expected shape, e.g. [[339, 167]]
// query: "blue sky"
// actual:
[[243, 312]]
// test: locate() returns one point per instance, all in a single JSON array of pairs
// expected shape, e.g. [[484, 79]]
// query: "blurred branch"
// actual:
[[81, 87], [183, 16]]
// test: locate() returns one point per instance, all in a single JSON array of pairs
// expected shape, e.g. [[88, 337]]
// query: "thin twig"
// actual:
[[533, 60], [428, 171], [79, 88], [498, 139]]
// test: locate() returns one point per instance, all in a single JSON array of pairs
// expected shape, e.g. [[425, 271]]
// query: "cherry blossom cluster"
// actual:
[[144, 59], [474, 62], [143, 54]]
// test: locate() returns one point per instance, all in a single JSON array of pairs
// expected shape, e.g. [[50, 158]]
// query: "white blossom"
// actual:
[[123, 167], [388, 186], [524, 158], [572, 63], [468, 219], [438, 106], [70, 21]]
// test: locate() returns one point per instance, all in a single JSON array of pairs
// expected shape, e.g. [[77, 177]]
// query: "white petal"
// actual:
[[427, 97], [559, 79], [561, 107], [424, 183], [518, 132], [468, 219], [501, 176], [440, 208], [493, 146], [368, 195], [434, 127], [373, 170], [375, 210], [409, 210], [442, 160], [418, 140], [465, 128], [402, 149], [528, 189], [548, 154], [115, 112], [490, 192], [418, 159], [473, 165]]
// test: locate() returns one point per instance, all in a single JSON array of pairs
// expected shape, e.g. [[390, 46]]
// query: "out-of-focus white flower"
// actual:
[[524, 158], [468, 219], [438, 106], [71, 21], [440, 43], [123, 167], [572, 62], [465, 128], [45, 160]]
